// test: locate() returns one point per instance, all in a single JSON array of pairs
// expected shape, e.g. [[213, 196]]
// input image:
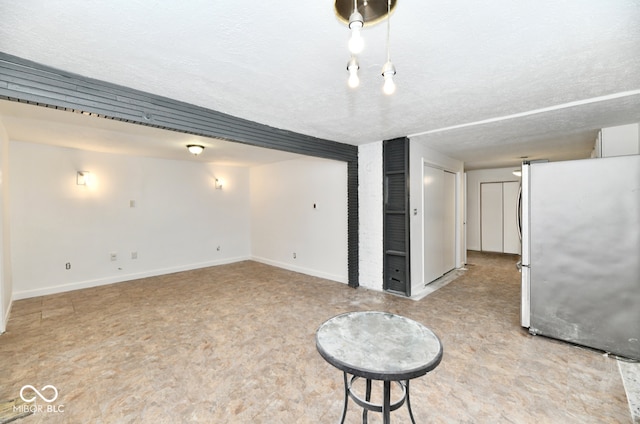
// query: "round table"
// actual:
[[378, 346]]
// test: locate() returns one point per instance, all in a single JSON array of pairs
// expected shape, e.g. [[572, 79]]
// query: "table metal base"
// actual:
[[386, 407]]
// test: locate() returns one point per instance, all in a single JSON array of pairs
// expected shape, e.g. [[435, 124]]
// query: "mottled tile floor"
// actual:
[[235, 344]]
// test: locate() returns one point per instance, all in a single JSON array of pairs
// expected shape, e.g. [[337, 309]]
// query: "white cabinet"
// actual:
[[498, 224], [618, 141], [491, 217]]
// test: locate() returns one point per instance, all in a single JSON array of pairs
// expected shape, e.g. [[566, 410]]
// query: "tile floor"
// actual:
[[235, 344]]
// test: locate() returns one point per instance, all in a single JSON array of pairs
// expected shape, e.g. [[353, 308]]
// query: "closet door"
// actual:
[[433, 195], [449, 222], [491, 210], [498, 222]]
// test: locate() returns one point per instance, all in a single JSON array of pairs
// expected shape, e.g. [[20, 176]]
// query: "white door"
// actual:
[[449, 222], [491, 217], [433, 192]]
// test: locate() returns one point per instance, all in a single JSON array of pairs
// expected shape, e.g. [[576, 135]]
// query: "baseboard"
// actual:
[[25, 294], [302, 270], [431, 287]]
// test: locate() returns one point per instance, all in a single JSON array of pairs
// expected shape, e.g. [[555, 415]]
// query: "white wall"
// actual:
[[370, 215], [419, 156], [178, 221], [284, 220], [474, 179], [5, 245]]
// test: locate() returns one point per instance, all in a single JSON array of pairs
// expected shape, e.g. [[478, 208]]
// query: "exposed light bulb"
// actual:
[[353, 81], [388, 71], [353, 67], [356, 42], [389, 86]]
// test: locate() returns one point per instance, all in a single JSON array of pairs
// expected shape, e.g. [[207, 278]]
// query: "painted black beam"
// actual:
[[30, 82]]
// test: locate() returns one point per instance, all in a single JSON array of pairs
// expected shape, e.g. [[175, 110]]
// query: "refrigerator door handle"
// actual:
[[519, 213]]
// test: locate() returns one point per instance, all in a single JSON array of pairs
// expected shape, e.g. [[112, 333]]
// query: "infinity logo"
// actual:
[[49, 386]]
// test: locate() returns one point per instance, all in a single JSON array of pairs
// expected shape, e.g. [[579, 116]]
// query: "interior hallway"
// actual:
[[235, 344]]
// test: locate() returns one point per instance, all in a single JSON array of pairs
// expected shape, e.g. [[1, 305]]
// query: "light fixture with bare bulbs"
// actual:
[[368, 13]]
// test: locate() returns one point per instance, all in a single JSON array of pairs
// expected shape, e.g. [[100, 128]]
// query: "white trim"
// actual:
[[25, 294], [302, 270], [533, 112]]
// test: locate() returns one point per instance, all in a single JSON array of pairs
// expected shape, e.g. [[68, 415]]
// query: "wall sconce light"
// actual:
[[195, 149], [218, 184], [83, 178], [517, 173]]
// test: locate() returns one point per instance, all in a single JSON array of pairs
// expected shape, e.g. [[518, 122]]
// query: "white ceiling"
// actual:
[[29, 123], [483, 82]]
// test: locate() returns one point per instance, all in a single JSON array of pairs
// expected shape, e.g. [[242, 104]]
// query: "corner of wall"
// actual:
[[6, 285], [370, 200], [299, 216]]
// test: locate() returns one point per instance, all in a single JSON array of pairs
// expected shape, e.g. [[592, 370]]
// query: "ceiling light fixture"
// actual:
[[368, 13], [195, 149]]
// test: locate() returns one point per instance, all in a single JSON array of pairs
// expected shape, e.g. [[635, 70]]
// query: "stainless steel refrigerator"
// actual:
[[581, 252]]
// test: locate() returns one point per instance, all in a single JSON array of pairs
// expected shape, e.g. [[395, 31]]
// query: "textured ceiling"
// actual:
[[484, 82]]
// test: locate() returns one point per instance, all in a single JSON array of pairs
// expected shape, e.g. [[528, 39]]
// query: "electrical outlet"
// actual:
[[134, 255], [218, 248], [114, 256], [294, 255], [67, 265]]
